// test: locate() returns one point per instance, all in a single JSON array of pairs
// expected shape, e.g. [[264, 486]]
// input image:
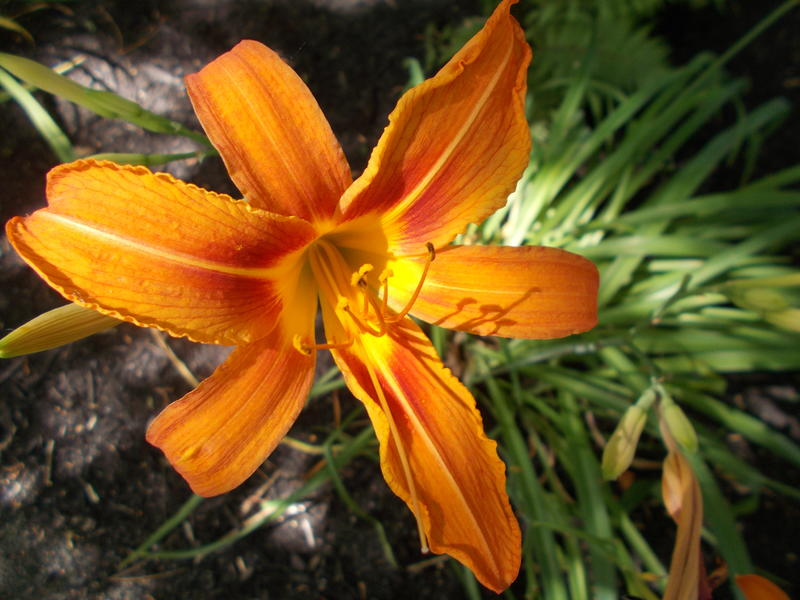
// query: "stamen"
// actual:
[[359, 280], [379, 312], [412, 489], [407, 308], [384, 281], [306, 349], [364, 327]]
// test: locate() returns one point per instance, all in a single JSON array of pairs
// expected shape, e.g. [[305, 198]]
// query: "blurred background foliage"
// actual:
[[649, 169]]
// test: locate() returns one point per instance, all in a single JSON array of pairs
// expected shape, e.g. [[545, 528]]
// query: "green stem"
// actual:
[[181, 515]]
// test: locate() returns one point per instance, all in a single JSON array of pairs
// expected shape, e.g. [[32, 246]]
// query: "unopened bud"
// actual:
[[678, 424], [788, 318], [621, 447], [761, 299], [55, 328], [774, 298]]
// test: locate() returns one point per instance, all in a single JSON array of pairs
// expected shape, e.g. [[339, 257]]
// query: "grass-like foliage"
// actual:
[[629, 187]]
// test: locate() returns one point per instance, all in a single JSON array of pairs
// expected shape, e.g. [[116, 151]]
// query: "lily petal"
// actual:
[[276, 143], [458, 477], [152, 250], [684, 503], [455, 145], [526, 292], [217, 435], [755, 587]]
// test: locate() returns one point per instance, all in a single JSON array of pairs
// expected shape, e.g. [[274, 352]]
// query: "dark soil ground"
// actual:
[[79, 487]]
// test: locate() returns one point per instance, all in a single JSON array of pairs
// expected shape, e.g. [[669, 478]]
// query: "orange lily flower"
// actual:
[[157, 252]]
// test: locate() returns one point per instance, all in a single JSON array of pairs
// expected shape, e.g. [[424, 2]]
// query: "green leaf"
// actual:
[[41, 119], [106, 104]]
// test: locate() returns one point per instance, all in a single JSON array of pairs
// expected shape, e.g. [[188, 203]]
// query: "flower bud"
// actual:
[[678, 424], [760, 299], [788, 318], [776, 299], [55, 328], [621, 447]]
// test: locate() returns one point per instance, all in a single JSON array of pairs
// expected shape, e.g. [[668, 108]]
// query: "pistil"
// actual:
[[345, 292]]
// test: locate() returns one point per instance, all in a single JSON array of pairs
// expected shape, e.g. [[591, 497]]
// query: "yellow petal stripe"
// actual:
[[155, 251], [458, 479], [527, 292], [272, 135], [455, 145], [217, 435]]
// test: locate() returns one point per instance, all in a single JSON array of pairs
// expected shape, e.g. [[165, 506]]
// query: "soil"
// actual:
[[79, 486]]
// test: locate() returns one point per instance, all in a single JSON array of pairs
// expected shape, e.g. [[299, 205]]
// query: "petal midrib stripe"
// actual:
[[178, 258], [476, 290], [448, 152], [436, 452]]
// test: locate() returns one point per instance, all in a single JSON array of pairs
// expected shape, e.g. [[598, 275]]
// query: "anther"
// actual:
[[342, 304], [431, 252], [359, 278], [381, 309], [300, 345], [384, 276]]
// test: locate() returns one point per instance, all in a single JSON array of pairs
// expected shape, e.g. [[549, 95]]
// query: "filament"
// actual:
[[364, 327], [304, 348], [407, 308]]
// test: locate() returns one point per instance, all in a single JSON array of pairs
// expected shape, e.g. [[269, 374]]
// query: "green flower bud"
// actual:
[[788, 319], [776, 299], [761, 299], [621, 447], [678, 424], [54, 328]]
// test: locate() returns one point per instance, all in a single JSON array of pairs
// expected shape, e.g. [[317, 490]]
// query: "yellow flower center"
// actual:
[[351, 295]]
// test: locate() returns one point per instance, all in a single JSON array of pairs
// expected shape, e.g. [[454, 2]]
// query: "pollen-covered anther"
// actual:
[[300, 345], [359, 278], [384, 276]]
